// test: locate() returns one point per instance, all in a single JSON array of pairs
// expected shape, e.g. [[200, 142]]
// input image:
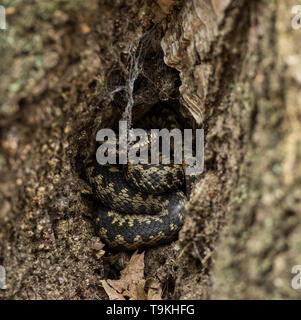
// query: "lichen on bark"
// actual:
[[230, 67]]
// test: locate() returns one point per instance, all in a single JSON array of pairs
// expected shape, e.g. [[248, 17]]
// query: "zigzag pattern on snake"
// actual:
[[142, 206]]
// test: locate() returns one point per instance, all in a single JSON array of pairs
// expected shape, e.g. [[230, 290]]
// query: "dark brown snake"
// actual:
[[140, 205]]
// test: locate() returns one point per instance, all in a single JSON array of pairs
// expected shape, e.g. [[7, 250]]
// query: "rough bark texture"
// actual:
[[230, 67]]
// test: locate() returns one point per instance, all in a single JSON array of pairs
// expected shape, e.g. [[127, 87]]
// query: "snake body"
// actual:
[[140, 207]]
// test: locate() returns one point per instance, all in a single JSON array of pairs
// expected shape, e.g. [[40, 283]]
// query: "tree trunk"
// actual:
[[230, 67]]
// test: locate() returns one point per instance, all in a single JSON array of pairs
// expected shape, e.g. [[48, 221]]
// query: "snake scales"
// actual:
[[141, 205]]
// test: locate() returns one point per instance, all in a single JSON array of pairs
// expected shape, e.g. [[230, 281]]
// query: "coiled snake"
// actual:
[[142, 206]]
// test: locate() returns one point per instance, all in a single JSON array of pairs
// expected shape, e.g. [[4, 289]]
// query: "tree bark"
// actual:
[[230, 67]]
